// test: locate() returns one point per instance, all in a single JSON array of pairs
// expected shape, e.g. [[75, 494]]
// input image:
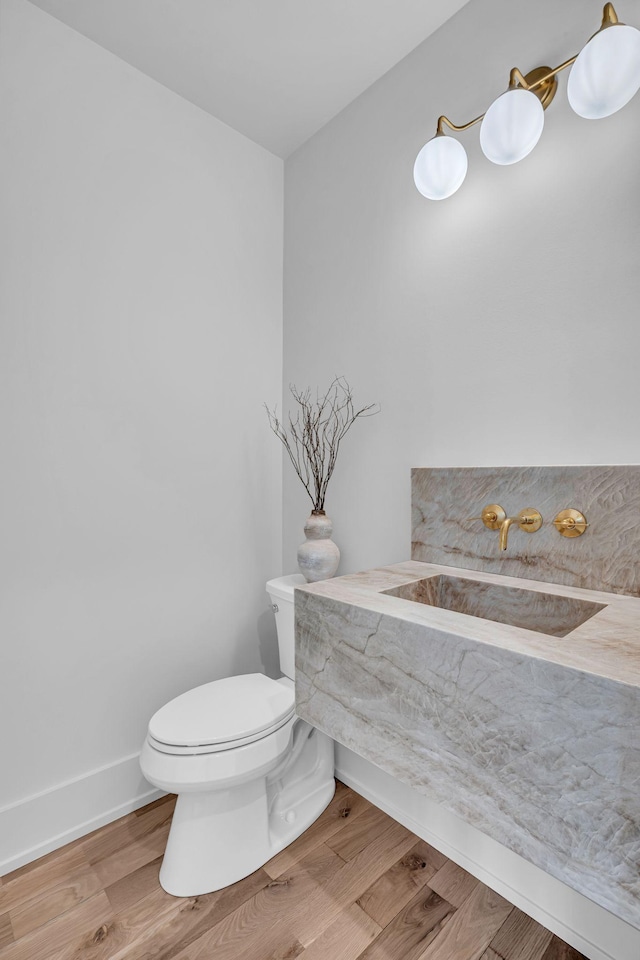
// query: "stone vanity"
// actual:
[[512, 700]]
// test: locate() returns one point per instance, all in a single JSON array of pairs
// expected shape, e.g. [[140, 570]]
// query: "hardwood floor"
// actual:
[[356, 886]]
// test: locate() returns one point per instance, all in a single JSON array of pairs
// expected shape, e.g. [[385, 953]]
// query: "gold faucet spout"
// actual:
[[504, 530], [528, 520]]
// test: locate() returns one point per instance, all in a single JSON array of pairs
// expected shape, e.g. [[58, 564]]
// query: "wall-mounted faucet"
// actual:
[[528, 520], [495, 518], [568, 523]]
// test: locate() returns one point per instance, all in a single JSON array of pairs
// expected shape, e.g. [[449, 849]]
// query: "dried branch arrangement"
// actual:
[[313, 435]]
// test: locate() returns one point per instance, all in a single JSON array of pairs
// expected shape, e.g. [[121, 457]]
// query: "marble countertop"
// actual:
[[531, 738], [606, 645]]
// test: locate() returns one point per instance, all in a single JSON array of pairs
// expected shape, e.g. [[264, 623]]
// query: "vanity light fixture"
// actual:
[[605, 75]]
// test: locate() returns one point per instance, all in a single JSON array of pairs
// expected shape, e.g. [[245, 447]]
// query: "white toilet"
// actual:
[[250, 775]]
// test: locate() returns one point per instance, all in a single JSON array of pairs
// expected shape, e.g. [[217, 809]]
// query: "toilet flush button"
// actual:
[[290, 816]]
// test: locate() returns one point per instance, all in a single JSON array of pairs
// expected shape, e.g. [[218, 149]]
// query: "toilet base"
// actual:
[[218, 837]]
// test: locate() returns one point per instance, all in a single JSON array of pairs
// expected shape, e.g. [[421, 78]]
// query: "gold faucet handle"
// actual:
[[529, 519], [492, 516], [570, 523]]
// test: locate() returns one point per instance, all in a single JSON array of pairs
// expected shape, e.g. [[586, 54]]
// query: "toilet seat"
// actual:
[[222, 715]]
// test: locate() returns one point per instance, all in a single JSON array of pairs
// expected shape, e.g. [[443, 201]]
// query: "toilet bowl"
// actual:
[[250, 775]]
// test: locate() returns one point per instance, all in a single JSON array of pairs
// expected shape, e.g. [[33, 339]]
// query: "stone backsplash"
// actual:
[[606, 557]]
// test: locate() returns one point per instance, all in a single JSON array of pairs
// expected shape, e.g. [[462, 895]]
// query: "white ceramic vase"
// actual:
[[318, 556]]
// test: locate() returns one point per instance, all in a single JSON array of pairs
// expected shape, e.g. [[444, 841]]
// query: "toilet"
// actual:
[[250, 775]]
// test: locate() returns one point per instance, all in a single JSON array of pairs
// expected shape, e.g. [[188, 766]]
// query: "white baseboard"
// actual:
[[586, 926], [45, 821]]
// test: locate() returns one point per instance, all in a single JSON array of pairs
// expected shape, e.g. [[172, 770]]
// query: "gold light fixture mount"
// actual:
[[543, 82]]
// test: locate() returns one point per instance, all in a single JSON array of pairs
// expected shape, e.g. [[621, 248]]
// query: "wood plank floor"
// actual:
[[355, 885]]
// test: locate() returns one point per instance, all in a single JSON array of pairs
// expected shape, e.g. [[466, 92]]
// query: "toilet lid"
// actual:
[[235, 708]]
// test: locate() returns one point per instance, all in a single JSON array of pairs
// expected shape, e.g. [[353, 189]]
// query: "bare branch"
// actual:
[[312, 438]]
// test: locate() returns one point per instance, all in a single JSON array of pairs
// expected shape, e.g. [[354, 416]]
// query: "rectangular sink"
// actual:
[[543, 612]]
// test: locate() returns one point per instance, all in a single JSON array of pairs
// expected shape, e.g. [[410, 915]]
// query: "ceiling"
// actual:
[[275, 70]]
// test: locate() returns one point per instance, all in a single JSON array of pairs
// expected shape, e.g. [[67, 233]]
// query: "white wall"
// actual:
[[498, 327], [141, 259]]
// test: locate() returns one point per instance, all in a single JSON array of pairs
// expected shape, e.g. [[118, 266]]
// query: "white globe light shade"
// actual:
[[440, 167], [607, 72], [512, 126]]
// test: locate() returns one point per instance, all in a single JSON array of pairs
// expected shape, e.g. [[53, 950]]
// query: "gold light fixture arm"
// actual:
[[539, 81], [518, 79], [532, 80], [441, 166], [452, 126], [609, 16]]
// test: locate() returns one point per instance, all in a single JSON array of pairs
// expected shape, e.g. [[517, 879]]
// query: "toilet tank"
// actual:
[[281, 592]]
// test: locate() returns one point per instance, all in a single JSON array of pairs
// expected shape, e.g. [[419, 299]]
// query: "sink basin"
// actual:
[[543, 612]]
